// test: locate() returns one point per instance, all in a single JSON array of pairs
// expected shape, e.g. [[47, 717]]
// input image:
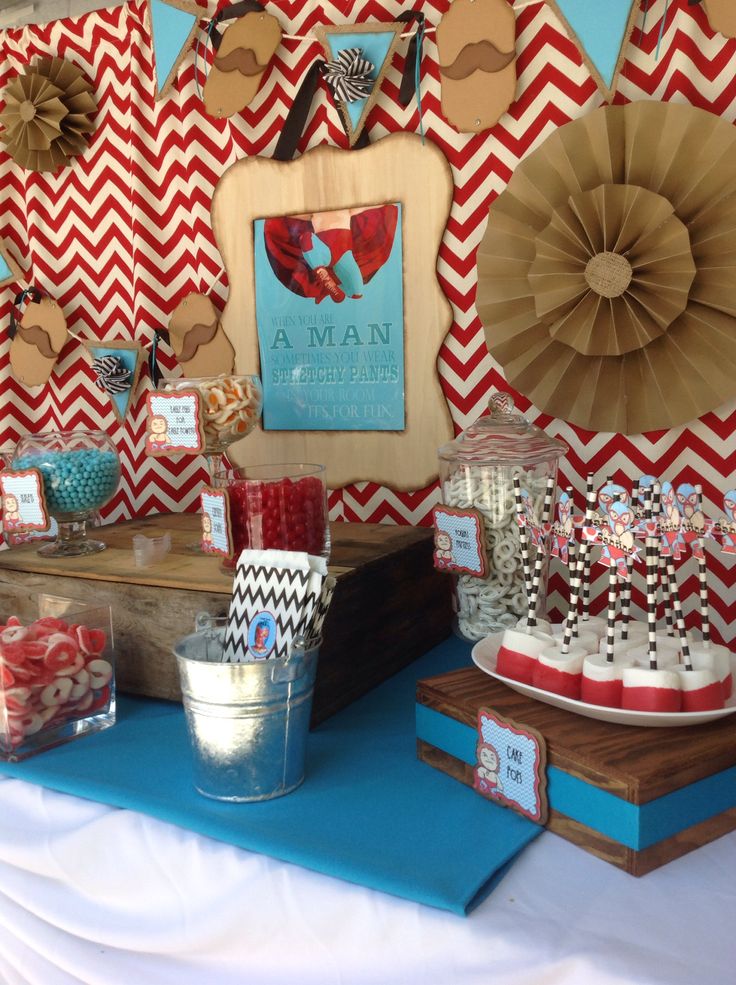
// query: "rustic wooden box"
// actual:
[[390, 606], [636, 797]]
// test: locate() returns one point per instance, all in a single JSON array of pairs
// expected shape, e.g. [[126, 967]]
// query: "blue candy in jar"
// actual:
[[76, 480]]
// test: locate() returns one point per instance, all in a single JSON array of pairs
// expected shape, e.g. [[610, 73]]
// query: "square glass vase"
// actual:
[[57, 674]]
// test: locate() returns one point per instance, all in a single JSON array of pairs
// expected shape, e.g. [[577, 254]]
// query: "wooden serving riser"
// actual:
[[636, 764]]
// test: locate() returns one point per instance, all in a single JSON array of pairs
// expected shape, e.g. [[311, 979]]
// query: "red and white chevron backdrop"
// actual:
[[124, 233]]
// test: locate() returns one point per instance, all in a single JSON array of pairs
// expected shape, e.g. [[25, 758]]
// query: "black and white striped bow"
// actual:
[[350, 75], [112, 374]]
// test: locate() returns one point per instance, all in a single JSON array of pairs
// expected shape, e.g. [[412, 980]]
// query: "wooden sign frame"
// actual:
[[327, 179]]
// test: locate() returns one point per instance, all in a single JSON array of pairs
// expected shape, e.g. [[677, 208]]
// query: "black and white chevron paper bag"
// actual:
[[266, 610]]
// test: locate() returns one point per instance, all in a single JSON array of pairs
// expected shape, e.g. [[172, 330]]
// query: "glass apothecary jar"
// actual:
[[477, 471], [81, 472]]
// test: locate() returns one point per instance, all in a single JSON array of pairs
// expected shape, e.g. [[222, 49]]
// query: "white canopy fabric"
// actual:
[[103, 896]]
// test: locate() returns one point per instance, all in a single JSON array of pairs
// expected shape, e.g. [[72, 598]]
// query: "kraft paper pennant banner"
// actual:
[[174, 25], [117, 367], [601, 32], [10, 271], [476, 44], [198, 339], [358, 57], [722, 16], [243, 54], [38, 337]]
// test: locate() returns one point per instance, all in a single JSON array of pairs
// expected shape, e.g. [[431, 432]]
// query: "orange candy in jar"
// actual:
[[231, 406]]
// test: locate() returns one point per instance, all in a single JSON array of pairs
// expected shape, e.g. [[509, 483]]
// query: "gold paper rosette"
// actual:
[[607, 273], [47, 115]]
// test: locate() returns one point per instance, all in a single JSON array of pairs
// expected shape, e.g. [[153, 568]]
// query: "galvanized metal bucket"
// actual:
[[248, 722]]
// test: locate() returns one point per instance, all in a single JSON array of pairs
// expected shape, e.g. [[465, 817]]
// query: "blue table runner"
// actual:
[[368, 812]]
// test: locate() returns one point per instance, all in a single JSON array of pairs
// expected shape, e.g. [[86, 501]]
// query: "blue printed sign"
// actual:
[[330, 314], [459, 541], [24, 503], [510, 765], [216, 533]]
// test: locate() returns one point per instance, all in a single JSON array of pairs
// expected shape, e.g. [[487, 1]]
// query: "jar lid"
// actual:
[[503, 436]]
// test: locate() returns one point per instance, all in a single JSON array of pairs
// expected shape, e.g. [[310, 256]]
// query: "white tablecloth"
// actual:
[[99, 895]]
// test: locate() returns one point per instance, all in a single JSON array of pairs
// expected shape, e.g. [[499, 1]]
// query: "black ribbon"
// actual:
[[413, 52], [153, 369], [32, 293], [228, 13], [296, 118]]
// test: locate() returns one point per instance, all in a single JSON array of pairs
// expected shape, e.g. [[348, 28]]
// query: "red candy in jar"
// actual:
[[270, 509]]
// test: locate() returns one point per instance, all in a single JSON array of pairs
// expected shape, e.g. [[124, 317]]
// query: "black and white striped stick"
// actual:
[[577, 572], [666, 599], [651, 514], [677, 606], [626, 594], [703, 580], [549, 494], [611, 624], [524, 542]]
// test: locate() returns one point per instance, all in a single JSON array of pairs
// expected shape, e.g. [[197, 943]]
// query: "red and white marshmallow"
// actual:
[[602, 682], [518, 653], [645, 689], [558, 672], [701, 689]]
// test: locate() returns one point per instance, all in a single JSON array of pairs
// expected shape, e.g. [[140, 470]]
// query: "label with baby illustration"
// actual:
[[459, 541], [174, 423], [262, 633], [510, 765], [330, 318], [24, 502], [217, 537]]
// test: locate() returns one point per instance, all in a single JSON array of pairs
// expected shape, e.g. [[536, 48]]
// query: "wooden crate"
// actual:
[[390, 606], [636, 797]]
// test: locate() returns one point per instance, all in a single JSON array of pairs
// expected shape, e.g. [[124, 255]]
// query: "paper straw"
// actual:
[[549, 492], [675, 596], [651, 509], [575, 579], [626, 595], [663, 578], [703, 580], [611, 624], [524, 541]]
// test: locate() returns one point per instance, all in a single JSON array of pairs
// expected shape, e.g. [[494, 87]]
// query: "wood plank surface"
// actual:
[[390, 605], [633, 862], [352, 545], [638, 764]]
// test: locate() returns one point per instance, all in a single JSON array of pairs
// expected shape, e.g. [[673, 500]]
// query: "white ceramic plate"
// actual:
[[484, 656]]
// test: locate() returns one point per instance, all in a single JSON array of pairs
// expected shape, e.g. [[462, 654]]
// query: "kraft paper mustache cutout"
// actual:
[[476, 43], [481, 56], [37, 338], [197, 338], [243, 55], [722, 16]]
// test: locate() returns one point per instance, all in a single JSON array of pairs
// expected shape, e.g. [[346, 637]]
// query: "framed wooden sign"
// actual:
[[346, 185]]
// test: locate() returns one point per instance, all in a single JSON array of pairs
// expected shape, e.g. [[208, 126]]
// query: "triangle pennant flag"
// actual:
[[117, 366], [601, 32], [10, 272], [348, 47], [174, 25]]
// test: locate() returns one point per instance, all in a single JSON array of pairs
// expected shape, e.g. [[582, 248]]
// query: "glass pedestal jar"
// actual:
[[477, 471], [81, 472]]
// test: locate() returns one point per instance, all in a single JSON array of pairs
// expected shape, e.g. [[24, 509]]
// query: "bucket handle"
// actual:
[[295, 665]]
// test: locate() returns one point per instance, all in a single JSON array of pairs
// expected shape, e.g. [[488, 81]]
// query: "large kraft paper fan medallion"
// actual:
[[47, 115], [607, 273]]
